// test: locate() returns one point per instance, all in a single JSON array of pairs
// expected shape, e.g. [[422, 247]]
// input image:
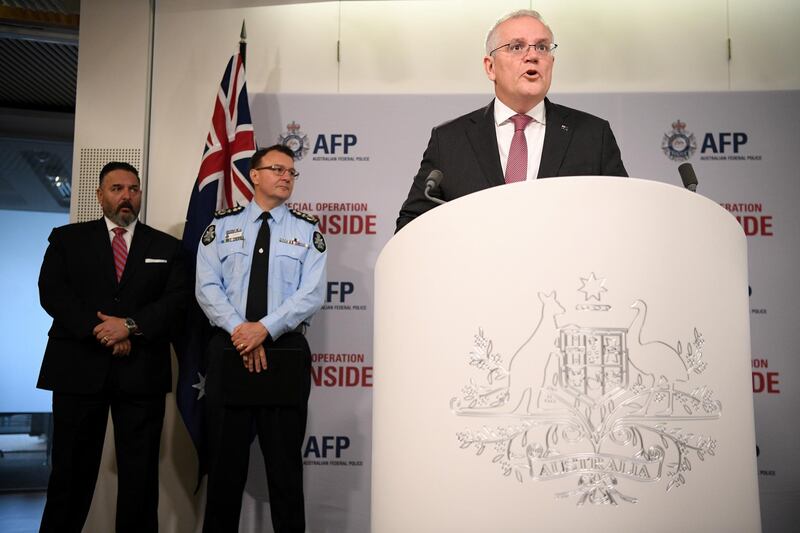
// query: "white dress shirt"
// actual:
[[128, 235]]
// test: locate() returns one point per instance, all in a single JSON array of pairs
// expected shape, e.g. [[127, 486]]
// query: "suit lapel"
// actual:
[[102, 242], [557, 135], [483, 139], [139, 244]]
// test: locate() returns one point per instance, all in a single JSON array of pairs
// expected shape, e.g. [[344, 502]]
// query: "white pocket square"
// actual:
[[151, 260]]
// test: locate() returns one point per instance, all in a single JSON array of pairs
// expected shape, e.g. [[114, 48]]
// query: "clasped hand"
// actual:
[[248, 338], [112, 333]]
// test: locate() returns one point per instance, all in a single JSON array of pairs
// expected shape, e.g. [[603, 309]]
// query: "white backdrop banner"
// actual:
[[359, 155]]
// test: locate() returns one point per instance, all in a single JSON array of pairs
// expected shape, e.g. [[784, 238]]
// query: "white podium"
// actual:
[[569, 355]]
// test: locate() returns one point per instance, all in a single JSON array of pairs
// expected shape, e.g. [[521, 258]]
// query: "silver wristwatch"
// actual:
[[131, 325]]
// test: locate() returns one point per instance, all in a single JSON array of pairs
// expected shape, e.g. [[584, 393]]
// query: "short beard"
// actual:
[[122, 220]]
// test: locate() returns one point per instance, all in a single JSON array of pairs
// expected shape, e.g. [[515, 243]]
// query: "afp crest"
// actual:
[[295, 140], [679, 144]]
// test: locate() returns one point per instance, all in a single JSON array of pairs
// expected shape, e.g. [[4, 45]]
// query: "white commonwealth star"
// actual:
[[200, 385], [593, 287]]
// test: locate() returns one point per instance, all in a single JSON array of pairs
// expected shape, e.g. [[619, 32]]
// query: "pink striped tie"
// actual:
[[517, 165], [120, 249]]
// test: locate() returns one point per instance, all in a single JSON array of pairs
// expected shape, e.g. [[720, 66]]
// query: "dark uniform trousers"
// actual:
[[280, 429], [79, 423]]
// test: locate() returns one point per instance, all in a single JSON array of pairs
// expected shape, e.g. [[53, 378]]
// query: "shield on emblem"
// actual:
[[594, 362]]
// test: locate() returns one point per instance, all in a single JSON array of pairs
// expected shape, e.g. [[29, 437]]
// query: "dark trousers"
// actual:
[[79, 428], [280, 429]]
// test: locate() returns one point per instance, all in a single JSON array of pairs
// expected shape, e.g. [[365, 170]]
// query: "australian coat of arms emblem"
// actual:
[[605, 403]]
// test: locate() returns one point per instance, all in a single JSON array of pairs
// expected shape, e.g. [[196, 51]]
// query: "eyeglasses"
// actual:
[[520, 48], [280, 170]]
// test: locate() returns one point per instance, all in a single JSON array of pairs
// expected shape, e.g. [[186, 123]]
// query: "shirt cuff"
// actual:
[[232, 323], [274, 328]]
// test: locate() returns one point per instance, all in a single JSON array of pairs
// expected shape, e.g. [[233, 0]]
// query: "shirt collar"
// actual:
[[254, 211], [502, 112], [111, 225]]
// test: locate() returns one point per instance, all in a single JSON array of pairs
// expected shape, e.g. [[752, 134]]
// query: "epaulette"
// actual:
[[222, 213], [305, 216]]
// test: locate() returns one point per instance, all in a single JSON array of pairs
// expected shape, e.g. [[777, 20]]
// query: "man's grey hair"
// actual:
[[491, 37]]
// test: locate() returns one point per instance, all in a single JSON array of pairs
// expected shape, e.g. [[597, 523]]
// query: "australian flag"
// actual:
[[222, 182]]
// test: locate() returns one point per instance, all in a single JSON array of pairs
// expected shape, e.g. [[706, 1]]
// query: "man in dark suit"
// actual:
[[520, 135], [108, 348]]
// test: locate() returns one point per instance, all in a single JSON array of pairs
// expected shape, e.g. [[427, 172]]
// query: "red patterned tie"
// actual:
[[120, 249], [517, 165]]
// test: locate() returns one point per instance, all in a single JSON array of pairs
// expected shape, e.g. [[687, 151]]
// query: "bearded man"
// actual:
[[114, 288]]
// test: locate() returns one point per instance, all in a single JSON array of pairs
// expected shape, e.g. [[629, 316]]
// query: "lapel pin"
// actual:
[[564, 128]]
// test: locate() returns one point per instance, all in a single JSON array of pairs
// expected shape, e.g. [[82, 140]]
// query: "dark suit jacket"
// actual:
[[78, 279], [465, 151]]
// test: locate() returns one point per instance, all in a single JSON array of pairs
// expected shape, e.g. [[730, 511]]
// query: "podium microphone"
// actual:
[[432, 184], [688, 176]]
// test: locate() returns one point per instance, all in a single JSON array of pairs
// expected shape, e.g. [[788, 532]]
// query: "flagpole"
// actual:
[[230, 133], [243, 43]]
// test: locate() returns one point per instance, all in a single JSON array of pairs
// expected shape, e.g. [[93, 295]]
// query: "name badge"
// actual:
[[233, 235], [294, 242]]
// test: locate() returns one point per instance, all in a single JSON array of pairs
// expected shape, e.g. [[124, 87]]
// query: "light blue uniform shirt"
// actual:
[[296, 277]]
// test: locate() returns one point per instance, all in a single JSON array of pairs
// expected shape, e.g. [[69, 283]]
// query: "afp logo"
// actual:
[[295, 140], [335, 143], [326, 147], [339, 296], [723, 142], [338, 291], [329, 450], [326, 446], [679, 144]]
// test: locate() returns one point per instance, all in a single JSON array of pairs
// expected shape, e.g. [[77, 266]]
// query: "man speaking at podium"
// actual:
[[520, 135]]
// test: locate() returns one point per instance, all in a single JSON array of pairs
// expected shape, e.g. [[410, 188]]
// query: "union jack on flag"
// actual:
[[230, 141], [222, 182]]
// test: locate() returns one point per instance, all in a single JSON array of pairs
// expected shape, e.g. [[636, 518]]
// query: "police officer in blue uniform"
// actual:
[[260, 278]]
